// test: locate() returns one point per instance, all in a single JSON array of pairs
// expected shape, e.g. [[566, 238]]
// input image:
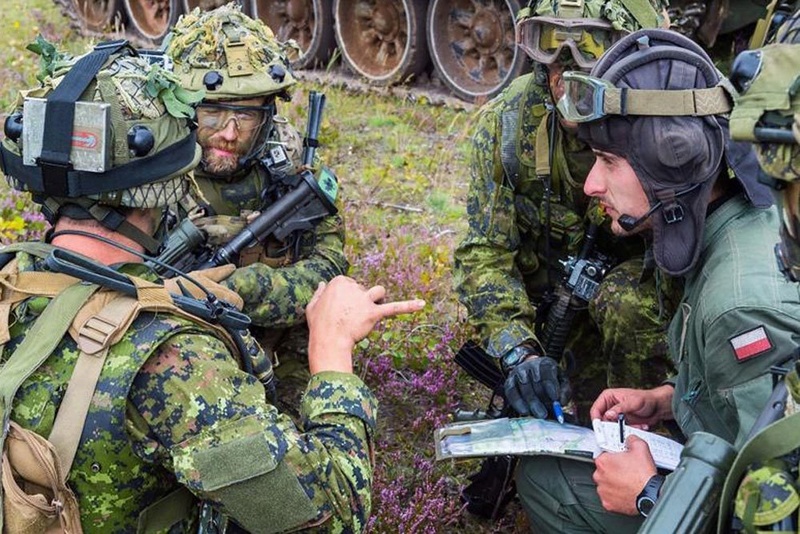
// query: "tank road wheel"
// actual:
[[473, 46], [152, 19], [309, 22], [91, 16], [382, 40]]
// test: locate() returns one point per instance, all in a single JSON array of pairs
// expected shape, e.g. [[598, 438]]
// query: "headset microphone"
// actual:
[[628, 222]]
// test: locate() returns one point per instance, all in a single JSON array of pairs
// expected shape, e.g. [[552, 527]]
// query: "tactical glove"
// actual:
[[534, 384]]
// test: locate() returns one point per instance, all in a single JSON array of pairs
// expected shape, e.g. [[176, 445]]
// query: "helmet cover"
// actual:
[[143, 98], [229, 55]]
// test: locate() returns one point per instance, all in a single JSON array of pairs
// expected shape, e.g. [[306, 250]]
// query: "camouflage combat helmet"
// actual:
[[767, 498], [587, 28], [105, 130], [767, 113], [229, 54]]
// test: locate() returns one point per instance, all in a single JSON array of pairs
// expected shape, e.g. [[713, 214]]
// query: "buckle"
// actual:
[[673, 213]]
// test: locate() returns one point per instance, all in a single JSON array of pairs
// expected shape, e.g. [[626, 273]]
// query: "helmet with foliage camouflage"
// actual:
[[586, 27], [767, 113], [103, 131], [229, 54]]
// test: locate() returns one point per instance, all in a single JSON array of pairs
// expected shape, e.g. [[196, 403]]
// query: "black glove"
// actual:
[[533, 385]]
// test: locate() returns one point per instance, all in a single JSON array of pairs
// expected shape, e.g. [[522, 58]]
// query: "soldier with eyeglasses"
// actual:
[[243, 70]]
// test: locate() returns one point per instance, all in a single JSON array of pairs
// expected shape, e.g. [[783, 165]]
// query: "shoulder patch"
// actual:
[[751, 343]]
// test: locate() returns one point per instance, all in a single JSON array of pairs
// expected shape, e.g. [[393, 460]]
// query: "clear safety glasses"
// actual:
[[544, 38], [587, 98], [216, 116]]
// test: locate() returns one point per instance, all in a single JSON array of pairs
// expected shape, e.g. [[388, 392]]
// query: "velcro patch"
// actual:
[[751, 343]]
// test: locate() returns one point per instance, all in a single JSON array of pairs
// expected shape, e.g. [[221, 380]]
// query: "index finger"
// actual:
[[391, 309]]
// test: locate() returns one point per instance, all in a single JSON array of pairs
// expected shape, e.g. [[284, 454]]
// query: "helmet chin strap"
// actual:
[[111, 218], [629, 222]]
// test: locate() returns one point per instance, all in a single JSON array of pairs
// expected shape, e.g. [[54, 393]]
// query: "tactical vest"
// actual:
[[117, 491], [527, 160]]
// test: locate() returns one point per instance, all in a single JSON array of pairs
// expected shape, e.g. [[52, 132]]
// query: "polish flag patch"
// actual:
[[751, 344]]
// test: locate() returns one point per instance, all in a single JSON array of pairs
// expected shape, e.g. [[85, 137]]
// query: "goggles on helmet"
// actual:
[[544, 38], [587, 98], [247, 118]]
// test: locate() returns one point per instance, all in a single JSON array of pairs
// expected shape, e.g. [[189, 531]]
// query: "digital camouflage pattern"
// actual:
[[276, 281], [767, 495], [500, 266], [623, 16], [279, 279], [172, 408]]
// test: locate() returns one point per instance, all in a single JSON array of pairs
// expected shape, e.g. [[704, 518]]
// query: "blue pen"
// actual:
[[558, 411]]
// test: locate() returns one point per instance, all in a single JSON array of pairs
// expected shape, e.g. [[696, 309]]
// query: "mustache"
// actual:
[[235, 148]]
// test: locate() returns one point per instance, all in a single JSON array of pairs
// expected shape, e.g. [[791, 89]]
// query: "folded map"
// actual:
[[528, 436]]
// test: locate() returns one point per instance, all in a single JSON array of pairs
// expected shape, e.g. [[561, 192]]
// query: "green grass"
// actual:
[[403, 174]]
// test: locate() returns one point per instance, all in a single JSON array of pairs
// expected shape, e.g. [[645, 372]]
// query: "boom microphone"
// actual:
[[629, 222]]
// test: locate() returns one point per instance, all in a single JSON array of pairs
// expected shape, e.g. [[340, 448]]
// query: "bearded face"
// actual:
[[226, 134]]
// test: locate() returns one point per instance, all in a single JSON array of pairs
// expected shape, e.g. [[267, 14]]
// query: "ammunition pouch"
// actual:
[[36, 498]]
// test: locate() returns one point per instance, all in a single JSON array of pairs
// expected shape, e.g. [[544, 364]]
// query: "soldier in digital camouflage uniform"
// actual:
[[501, 266], [172, 409], [244, 71], [655, 110]]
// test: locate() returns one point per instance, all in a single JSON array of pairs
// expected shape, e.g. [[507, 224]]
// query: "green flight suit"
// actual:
[[732, 293], [501, 265], [172, 409], [278, 285]]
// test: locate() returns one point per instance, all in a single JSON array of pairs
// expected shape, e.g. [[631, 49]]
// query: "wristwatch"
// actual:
[[646, 500]]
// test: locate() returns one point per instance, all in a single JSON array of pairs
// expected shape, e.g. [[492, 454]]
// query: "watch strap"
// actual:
[[649, 493]]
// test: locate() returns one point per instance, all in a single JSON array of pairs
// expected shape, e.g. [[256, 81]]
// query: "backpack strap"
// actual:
[[40, 341], [94, 339]]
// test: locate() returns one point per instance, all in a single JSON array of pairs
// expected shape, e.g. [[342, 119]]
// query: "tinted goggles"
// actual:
[[216, 116], [545, 38], [587, 98]]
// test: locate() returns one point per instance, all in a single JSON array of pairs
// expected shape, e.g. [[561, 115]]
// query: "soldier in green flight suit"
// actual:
[[244, 71], [526, 177], [655, 111], [170, 417]]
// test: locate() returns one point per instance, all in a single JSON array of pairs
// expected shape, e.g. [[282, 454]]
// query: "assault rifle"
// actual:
[[304, 200], [582, 276]]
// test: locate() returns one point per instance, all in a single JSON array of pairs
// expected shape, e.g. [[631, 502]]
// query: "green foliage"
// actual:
[[50, 58], [178, 101]]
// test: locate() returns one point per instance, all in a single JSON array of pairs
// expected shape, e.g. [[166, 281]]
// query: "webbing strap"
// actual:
[[779, 438], [542, 147], [39, 343], [60, 111], [166, 162], [94, 340], [659, 103], [42, 339]]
